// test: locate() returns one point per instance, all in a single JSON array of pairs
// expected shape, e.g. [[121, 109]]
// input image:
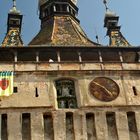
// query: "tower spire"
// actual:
[[105, 3], [113, 29], [14, 24]]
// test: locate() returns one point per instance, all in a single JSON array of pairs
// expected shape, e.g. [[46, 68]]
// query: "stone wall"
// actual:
[[37, 89], [85, 124]]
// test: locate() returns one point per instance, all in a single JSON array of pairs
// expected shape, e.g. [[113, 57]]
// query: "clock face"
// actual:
[[104, 89]]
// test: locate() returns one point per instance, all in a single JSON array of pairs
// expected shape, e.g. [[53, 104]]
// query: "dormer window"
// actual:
[[14, 22], [61, 8], [58, 8], [51, 10], [73, 12], [64, 8], [46, 12], [43, 14]]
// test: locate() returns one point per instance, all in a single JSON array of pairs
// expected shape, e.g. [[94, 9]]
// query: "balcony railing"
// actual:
[[62, 58]]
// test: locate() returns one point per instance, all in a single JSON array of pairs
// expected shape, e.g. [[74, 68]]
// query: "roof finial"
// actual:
[[108, 11], [14, 3], [105, 3], [14, 9]]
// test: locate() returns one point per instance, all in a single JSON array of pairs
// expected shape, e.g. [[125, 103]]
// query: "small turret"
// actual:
[[113, 29], [14, 24]]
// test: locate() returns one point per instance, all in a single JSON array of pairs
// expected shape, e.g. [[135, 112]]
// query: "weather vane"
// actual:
[[14, 3], [105, 3]]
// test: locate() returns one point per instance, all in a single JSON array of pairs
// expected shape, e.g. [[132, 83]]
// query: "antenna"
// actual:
[[97, 37], [105, 3]]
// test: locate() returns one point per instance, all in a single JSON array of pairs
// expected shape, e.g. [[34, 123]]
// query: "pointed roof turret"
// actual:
[[59, 24], [14, 24], [113, 29]]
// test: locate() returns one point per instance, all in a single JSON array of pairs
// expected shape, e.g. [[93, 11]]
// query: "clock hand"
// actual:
[[108, 92]]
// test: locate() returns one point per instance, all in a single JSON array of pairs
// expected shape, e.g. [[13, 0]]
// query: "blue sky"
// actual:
[[91, 15]]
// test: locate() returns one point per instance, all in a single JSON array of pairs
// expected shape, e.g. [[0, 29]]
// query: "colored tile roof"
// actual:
[[61, 30]]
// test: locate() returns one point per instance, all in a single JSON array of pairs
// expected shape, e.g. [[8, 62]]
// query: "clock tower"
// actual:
[[67, 87], [14, 23]]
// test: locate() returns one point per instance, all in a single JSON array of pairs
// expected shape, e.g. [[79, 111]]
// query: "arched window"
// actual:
[[66, 96]]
